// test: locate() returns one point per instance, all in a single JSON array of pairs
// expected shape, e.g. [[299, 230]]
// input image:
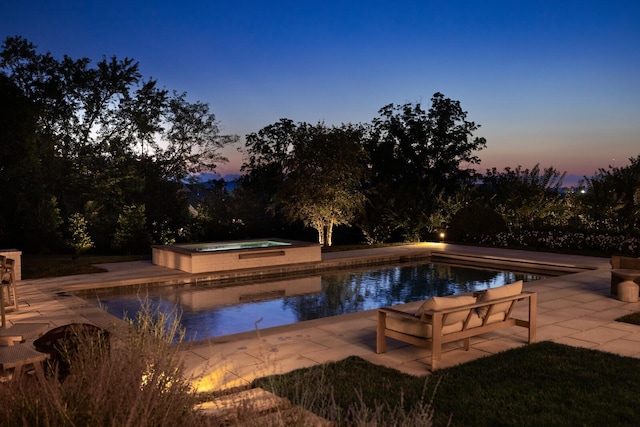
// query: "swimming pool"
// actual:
[[208, 312]]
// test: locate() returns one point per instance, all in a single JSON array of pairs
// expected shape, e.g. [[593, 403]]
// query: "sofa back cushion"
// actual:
[[499, 310], [441, 303], [422, 325]]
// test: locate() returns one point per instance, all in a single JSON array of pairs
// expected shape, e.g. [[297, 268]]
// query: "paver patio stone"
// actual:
[[582, 323], [602, 304], [623, 347], [288, 349], [600, 335], [552, 332], [575, 342], [416, 367], [499, 345], [453, 358], [632, 337], [574, 312], [584, 297], [334, 341], [334, 354], [558, 304], [612, 314]]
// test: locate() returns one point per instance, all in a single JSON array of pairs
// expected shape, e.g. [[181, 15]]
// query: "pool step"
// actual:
[[257, 406]]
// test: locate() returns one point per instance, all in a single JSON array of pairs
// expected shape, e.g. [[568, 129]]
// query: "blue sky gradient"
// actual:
[[555, 83]]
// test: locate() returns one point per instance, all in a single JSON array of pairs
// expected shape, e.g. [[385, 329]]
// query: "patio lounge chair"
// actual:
[[15, 358], [8, 279], [23, 331]]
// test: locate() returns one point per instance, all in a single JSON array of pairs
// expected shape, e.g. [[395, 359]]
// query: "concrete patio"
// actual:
[[575, 309]]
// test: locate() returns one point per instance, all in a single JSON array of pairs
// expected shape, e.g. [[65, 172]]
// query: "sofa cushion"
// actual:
[[413, 327], [441, 303], [499, 310]]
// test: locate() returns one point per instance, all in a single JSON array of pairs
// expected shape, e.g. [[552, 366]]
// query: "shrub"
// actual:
[[563, 241], [79, 239], [131, 235], [475, 220], [138, 382]]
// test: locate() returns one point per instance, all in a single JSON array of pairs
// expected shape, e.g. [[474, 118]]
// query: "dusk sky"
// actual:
[[550, 82]]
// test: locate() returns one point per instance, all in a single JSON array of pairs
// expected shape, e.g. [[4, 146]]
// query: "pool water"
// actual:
[[239, 245], [207, 312]]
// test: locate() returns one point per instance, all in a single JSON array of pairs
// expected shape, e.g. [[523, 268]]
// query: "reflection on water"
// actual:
[[212, 312]]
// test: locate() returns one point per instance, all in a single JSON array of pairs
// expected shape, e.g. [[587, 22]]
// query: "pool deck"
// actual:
[[575, 309]]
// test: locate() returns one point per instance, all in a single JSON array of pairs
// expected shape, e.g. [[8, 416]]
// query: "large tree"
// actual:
[[323, 187], [28, 206], [309, 173], [418, 157], [265, 157], [104, 137]]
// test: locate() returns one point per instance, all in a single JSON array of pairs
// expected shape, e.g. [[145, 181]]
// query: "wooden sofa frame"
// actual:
[[438, 318]]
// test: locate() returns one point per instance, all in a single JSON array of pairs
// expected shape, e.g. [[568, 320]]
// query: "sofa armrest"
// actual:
[[400, 313]]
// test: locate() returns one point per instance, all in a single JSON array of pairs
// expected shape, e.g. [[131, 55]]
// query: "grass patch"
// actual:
[[633, 318], [36, 266], [539, 384], [40, 266]]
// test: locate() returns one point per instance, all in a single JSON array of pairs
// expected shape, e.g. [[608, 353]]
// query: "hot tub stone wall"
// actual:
[[173, 256]]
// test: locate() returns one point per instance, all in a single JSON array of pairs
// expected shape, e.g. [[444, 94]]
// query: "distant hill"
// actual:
[[231, 180], [572, 180], [208, 176]]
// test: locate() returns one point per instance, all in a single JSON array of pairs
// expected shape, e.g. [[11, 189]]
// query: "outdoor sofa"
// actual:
[[443, 320]]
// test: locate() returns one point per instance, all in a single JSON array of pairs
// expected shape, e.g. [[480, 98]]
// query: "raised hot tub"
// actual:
[[235, 255]]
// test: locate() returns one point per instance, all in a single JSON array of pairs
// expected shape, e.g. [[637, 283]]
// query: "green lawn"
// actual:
[[36, 266], [39, 266], [543, 384], [633, 318]]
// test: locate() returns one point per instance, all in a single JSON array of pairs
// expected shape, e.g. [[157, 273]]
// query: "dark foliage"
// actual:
[[474, 220]]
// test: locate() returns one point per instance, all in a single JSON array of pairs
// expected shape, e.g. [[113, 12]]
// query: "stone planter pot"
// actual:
[[628, 291]]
